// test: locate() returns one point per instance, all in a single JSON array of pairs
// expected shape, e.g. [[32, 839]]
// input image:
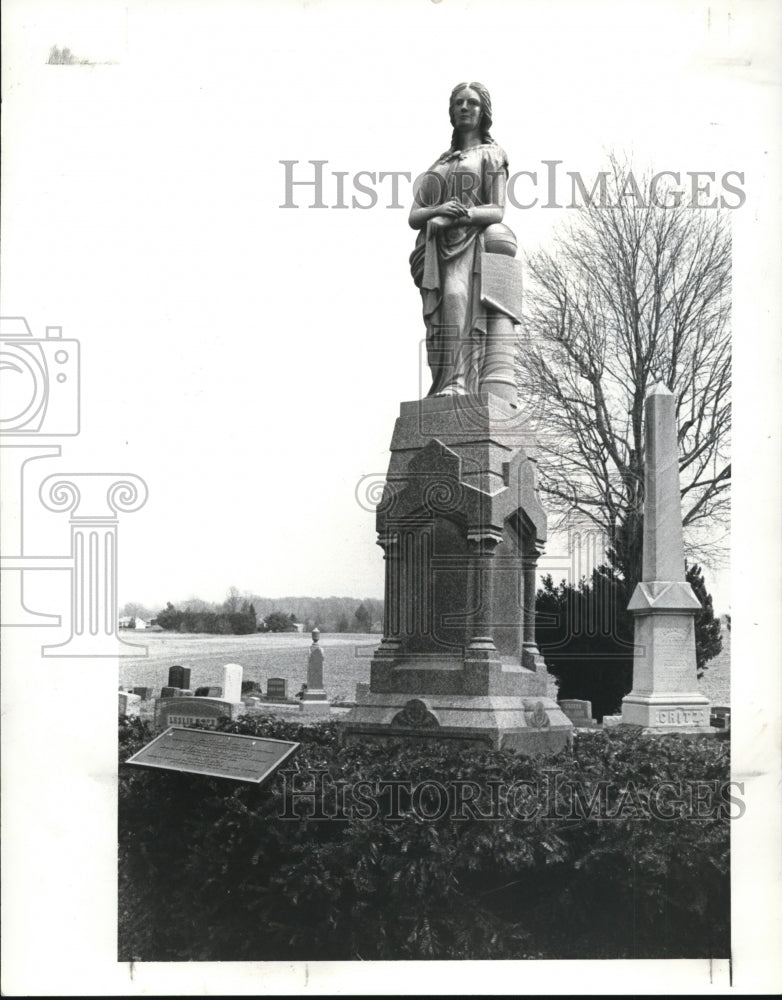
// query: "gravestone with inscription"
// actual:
[[665, 694], [189, 711], [577, 710]]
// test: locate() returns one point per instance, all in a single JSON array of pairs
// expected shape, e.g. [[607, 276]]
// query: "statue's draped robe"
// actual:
[[446, 265]]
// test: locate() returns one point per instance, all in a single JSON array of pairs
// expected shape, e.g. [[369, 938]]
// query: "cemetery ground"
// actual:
[[262, 655], [215, 870], [284, 654]]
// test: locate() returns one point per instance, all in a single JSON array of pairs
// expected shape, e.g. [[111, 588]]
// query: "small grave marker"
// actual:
[[179, 677], [277, 687]]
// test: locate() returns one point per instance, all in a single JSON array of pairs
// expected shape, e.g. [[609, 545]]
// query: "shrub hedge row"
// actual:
[[212, 870]]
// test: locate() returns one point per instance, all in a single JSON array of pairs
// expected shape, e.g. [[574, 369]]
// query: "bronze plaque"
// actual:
[[218, 755]]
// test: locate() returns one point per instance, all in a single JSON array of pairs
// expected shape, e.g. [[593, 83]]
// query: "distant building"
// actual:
[[125, 622]]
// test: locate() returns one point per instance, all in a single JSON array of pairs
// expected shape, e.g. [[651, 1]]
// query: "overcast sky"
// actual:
[[248, 360]]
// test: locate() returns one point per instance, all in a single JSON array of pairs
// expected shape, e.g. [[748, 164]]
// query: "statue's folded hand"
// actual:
[[440, 222], [453, 208]]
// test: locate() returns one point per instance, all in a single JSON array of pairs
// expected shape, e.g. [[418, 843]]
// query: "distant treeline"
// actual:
[[213, 622], [329, 614], [241, 614]]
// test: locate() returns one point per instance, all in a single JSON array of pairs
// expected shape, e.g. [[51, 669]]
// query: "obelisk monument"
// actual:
[[665, 694]]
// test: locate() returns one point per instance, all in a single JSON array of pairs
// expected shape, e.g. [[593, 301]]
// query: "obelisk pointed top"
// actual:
[[663, 558]]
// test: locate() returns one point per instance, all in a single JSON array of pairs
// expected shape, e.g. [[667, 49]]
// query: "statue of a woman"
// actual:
[[460, 195]]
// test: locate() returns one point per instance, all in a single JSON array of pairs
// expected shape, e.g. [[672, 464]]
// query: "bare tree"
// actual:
[[233, 600], [135, 610], [631, 295]]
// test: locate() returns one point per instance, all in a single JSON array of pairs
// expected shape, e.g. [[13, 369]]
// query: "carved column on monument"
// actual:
[[389, 541], [483, 544], [481, 655], [531, 657]]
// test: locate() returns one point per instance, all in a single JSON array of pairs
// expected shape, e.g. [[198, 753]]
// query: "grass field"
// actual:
[[263, 655]]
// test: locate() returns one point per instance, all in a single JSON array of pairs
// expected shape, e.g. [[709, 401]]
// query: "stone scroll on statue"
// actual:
[[460, 522]]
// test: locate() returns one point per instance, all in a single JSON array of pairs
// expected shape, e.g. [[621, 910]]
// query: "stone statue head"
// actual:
[[486, 119]]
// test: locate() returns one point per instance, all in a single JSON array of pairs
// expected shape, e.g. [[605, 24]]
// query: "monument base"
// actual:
[[461, 528], [671, 730], [316, 704], [531, 724], [672, 712]]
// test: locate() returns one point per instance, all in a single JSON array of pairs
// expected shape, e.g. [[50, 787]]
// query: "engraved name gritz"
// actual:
[[547, 187], [681, 717]]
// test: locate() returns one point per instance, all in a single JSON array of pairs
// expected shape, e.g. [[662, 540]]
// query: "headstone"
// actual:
[[314, 690], [277, 687], [314, 699], [232, 682], [577, 710], [179, 677], [145, 693], [129, 704], [720, 716], [174, 692], [186, 712], [665, 694]]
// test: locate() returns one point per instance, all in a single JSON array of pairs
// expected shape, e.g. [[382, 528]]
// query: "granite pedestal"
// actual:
[[461, 528]]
